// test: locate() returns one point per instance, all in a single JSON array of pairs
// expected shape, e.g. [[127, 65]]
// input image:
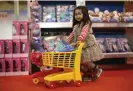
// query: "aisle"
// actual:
[[120, 80]]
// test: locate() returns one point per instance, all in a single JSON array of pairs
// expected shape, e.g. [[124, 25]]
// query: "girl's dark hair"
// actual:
[[86, 18]]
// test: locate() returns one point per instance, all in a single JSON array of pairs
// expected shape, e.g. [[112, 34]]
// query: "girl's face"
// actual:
[[78, 15]]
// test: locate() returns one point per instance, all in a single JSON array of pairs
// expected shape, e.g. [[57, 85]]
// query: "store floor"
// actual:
[[114, 80]]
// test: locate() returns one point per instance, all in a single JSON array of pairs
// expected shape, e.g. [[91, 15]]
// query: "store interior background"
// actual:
[[23, 15], [111, 80]]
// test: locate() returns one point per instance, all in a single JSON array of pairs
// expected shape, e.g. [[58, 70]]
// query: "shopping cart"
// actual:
[[66, 60]]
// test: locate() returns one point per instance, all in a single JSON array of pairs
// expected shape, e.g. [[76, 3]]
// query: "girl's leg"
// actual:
[[93, 69]]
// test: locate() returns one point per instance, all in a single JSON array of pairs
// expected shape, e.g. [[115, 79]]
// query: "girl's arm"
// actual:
[[46, 46], [84, 32], [70, 37]]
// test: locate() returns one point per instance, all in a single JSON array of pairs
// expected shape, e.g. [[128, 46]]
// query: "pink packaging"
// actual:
[[24, 48], [2, 67], [16, 66], [24, 66], [15, 30], [1, 49], [9, 66], [24, 29], [16, 48], [8, 48]]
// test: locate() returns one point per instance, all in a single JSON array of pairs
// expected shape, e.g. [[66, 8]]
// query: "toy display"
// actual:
[[64, 13], [16, 66], [24, 65], [16, 48], [2, 67], [96, 15], [49, 14], [15, 29], [8, 66], [8, 48], [125, 45], [101, 42], [1, 48], [24, 29], [110, 16], [36, 11]]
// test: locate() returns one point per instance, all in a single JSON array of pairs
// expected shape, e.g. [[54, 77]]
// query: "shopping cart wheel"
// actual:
[[78, 83], [35, 80], [50, 84]]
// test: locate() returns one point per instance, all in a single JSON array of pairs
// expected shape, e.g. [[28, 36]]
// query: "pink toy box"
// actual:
[[15, 30], [1, 49], [2, 67], [16, 66], [16, 48], [8, 66], [24, 29], [24, 66], [8, 48], [24, 48]]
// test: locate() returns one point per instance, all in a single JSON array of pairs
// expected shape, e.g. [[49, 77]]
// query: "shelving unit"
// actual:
[[123, 25], [94, 25]]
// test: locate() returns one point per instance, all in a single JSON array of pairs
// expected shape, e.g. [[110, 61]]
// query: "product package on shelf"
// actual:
[[64, 12], [101, 42], [120, 48], [1, 48], [8, 48], [125, 45], [49, 14], [24, 48], [114, 16], [24, 65], [15, 30], [2, 67], [111, 45], [24, 29], [16, 48], [96, 15], [16, 66], [36, 11], [8, 66], [71, 9], [127, 17]]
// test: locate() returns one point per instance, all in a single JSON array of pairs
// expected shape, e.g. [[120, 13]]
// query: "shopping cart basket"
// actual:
[[70, 60]]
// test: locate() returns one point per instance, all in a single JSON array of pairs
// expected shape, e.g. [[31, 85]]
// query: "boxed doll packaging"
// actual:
[[101, 44], [15, 30], [16, 48], [16, 66], [111, 45], [24, 48], [24, 29], [63, 13], [125, 45], [24, 65], [49, 14], [8, 66], [2, 67], [1, 48], [8, 48]]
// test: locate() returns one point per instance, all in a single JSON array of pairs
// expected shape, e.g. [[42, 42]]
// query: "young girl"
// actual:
[[82, 31]]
